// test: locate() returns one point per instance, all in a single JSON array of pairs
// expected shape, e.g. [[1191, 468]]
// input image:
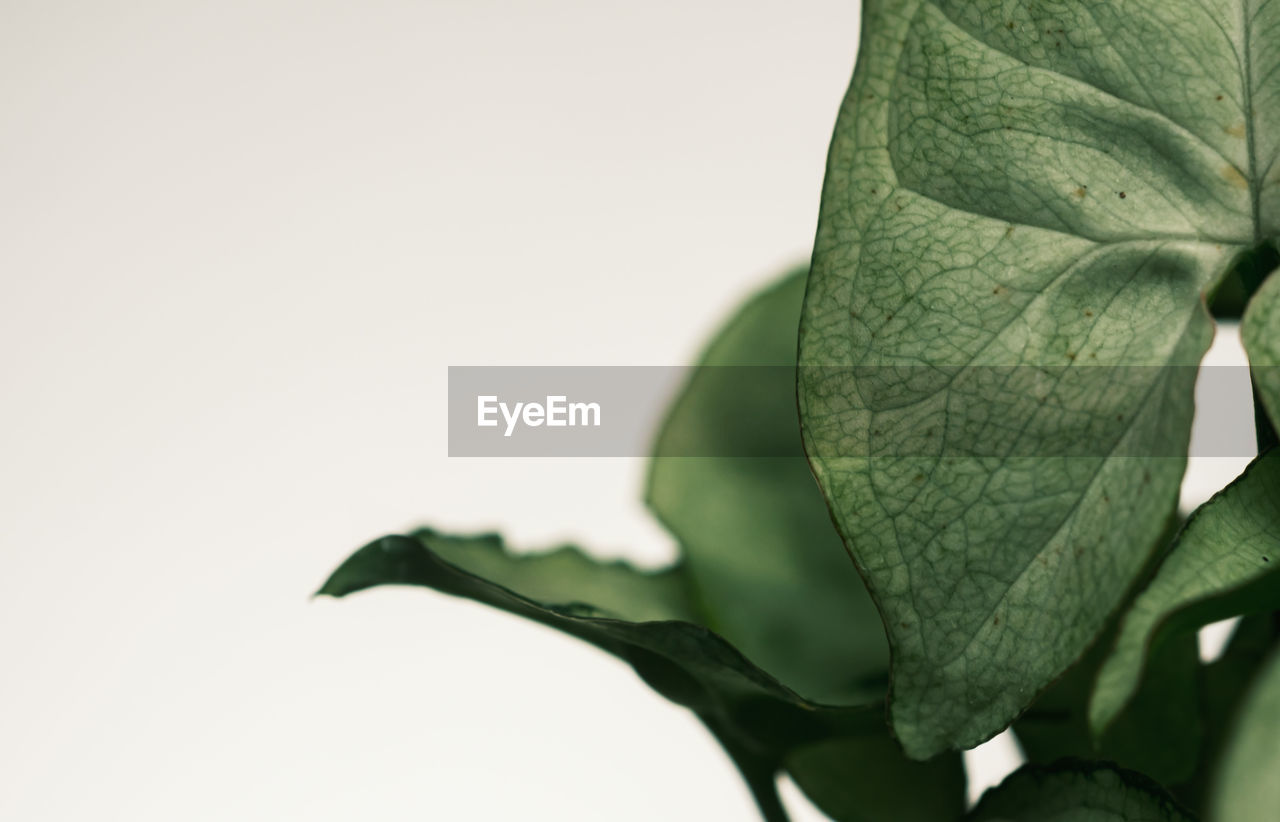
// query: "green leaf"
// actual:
[[1223, 564], [1260, 333], [759, 547], [1077, 792], [842, 757], [1160, 736], [1224, 683], [1022, 213], [1246, 789], [642, 618], [756, 718], [762, 571], [867, 779]]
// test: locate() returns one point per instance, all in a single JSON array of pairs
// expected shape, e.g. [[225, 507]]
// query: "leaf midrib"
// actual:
[[1246, 82]]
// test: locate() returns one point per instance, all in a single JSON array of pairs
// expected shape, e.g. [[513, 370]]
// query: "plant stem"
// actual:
[[759, 773], [763, 782], [1266, 432]]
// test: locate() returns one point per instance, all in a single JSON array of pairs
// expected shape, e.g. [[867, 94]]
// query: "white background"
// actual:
[[240, 242]]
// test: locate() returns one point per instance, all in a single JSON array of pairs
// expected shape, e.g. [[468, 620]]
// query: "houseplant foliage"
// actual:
[[1031, 212]]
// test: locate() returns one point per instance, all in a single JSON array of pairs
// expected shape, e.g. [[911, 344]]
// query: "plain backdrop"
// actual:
[[240, 243]]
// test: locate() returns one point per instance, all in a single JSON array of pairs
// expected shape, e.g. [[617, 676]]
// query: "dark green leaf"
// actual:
[[867, 779], [1224, 683], [1077, 792], [1247, 789], [1160, 736], [763, 572], [682, 660]]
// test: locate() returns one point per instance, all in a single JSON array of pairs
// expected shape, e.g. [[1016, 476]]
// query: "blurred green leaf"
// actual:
[[867, 779], [1160, 736], [1077, 792], [1247, 788], [759, 547]]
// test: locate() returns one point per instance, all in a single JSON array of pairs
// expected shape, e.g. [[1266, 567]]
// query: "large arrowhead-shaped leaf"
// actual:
[[1024, 205], [1226, 562], [1076, 792], [1247, 789]]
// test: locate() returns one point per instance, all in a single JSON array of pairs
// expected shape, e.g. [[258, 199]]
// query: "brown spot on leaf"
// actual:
[[1236, 130], [1122, 195], [1232, 175], [1088, 313], [1080, 192]]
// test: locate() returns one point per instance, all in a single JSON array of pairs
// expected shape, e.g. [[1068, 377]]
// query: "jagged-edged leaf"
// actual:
[[1260, 333], [762, 571], [1077, 792], [1224, 563], [756, 718], [867, 779], [758, 544], [1021, 216], [1246, 788], [642, 618]]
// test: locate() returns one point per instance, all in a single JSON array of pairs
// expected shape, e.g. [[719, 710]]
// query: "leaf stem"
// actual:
[[760, 774], [1265, 431], [763, 782]]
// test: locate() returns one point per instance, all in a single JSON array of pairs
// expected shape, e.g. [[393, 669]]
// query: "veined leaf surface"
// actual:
[[1024, 205]]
